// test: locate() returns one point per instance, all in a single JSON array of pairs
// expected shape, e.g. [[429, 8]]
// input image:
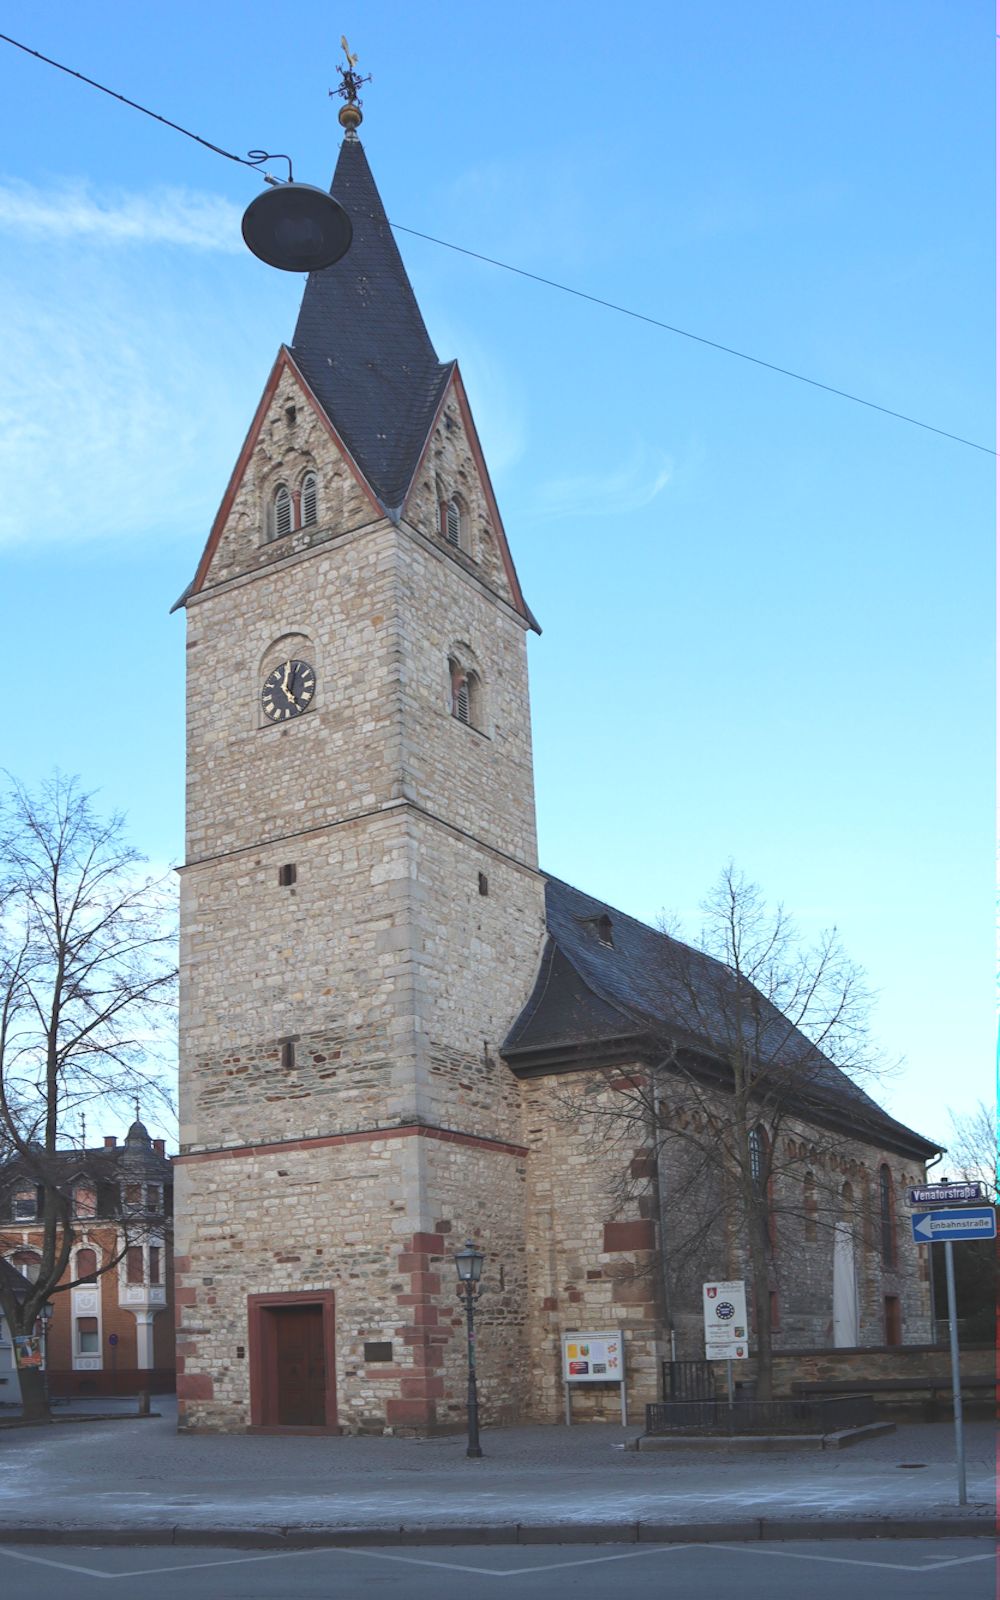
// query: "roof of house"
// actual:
[[611, 987], [361, 344]]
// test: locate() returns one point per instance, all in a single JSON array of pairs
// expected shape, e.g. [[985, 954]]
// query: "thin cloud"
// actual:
[[74, 211], [633, 487]]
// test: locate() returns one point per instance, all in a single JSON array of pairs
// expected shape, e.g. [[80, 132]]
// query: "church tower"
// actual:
[[361, 908]]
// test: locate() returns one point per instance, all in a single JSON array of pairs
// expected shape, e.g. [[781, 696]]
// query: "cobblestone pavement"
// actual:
[[142, 1474]]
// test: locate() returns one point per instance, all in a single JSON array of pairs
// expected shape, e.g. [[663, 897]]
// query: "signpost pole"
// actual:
[[729, 1382], [956, 1380]]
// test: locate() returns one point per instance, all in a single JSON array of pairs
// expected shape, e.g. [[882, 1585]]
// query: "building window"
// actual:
[[604, 930], [310, 499], [484, 883], [154, 1263], [26, 1205], [466, 695], [133, 1196], [281, 512], [286, 875], [887, 1219], [154, 1197], [133, 1264], [893, 1320], [451, 522], [87, 1336], [28, 1264], [86, 1266], [755, 1144], [85, 1200], [288, 1054]]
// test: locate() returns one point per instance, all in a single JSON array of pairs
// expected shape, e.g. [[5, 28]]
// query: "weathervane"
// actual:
[[349, 115]]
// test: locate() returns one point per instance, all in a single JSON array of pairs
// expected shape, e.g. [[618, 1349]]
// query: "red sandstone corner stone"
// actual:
[[426, 1282], [421, 1388], [629, 1236], [426, 1243], [412, 1411], [195, 1386]]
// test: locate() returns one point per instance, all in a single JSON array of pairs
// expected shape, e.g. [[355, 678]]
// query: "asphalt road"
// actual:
[[868, 1570]]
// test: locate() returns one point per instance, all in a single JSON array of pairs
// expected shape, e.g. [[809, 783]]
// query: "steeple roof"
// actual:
[[361, 344]]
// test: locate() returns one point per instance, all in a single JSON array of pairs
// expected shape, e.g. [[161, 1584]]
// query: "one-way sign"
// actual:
[[931, 1194], [930, 1227]]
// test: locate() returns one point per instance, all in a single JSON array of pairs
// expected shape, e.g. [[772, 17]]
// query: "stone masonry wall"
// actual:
[[593, 1264], [341, 1217]]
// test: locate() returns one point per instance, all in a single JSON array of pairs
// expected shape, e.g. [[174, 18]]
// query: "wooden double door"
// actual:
[[292, 1362]]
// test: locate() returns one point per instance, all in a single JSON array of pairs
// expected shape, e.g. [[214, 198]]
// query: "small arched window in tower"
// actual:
[[281, 512], [310, 499], [452, 521], [887, 1218]]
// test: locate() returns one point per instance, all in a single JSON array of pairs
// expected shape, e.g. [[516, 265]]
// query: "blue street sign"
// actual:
[[933, 1227]]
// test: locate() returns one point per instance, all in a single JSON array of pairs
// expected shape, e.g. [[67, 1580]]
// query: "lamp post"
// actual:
[[469, 1266]]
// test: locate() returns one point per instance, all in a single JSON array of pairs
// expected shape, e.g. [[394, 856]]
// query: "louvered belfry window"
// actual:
[[462, 706], [453, 523], [310, 499], [282, 511]]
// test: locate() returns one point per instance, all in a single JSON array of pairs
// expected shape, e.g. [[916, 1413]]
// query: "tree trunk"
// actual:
[[762, 1306], [34, 1399]]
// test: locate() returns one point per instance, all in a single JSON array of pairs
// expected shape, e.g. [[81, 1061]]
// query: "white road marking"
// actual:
[[492, 1572], [850, 1561], [64, 1566]]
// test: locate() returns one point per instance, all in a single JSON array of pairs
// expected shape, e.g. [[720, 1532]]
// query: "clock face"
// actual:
[[288, 690]]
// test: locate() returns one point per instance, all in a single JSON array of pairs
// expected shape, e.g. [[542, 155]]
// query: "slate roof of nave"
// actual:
[[646, 986], [361, 344]]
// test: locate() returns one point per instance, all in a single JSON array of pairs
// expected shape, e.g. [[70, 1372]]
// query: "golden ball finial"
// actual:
[[349, 116]]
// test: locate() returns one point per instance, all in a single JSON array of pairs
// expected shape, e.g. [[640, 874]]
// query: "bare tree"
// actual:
[[973, 1148], [87, 977], [735, 1088]]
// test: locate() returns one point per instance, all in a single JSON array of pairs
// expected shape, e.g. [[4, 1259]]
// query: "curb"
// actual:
[[514, 1533]]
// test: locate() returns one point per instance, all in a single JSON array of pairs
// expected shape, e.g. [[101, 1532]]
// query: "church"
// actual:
[[394, 1024]]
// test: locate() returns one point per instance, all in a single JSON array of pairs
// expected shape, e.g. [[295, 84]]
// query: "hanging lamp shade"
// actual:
[[297, 227]]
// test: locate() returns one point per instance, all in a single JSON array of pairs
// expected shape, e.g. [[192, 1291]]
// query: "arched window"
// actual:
[[758, 1150], [28, 1264], [466, 696], [281, 512], [86, 1266], [809, 1204], [452, 522], [887, 1217], [310, 499]]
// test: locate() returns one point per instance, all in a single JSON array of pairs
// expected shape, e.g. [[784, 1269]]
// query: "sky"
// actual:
[[767, 634]]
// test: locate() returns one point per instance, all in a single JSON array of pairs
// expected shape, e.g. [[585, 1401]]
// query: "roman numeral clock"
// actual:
[[288, 690]]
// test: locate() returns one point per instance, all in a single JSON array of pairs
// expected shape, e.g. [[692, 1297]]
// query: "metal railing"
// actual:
[[820, 1415]]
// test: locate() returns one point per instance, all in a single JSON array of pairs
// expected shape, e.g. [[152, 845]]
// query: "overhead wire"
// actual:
[[534, 277]]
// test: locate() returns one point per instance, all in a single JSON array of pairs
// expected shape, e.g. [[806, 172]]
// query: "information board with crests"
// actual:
[[726, 1328], [593, 1357]]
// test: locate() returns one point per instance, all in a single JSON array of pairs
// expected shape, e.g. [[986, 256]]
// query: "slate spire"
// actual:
[[361, 344]]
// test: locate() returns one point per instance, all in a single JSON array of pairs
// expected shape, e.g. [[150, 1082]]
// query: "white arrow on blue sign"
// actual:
[[933, 1226]]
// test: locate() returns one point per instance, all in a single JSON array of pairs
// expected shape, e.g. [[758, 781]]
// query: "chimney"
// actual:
[[159, 1147], [110, 1141]]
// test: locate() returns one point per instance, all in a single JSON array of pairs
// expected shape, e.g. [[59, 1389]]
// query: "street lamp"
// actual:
[[469, 1266]]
